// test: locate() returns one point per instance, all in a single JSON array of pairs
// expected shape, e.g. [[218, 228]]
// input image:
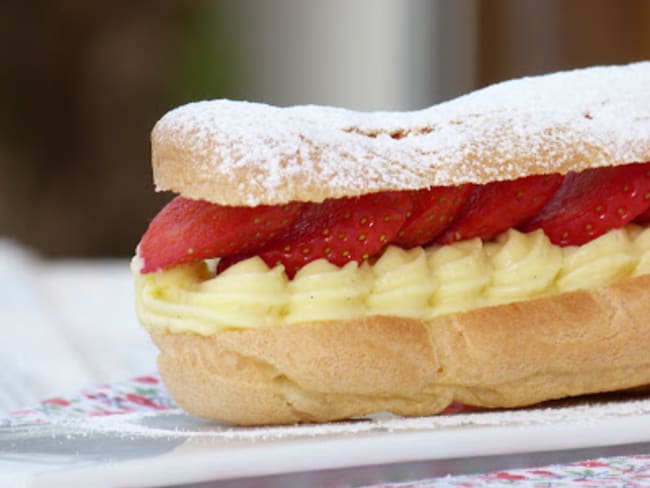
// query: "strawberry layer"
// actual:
[[571, 210], [419, 283]]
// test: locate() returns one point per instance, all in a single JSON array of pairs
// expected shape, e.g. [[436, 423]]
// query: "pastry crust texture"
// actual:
[[511, 355], [240, 153]]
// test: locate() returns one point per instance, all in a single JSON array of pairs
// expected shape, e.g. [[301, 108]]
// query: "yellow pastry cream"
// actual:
[[418, 283]]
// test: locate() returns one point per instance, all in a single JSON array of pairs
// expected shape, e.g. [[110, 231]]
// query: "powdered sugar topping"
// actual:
[[530, 125], [176, 424]]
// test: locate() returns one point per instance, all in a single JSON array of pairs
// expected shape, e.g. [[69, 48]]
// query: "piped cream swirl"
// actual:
[[188, 297], [603, 260], [462, 271], [523, 265], [323, 291], [402, 284], [641, 238]]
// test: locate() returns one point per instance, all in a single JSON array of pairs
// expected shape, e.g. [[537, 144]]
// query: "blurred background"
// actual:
[[82, 83]]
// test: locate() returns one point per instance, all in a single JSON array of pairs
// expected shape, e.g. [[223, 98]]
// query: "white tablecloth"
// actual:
[[65, 325]]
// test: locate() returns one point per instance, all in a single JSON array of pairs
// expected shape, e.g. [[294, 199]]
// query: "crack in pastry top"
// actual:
[[242, 153]]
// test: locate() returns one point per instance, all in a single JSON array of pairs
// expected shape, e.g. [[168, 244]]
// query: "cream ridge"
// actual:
[[416, 283]]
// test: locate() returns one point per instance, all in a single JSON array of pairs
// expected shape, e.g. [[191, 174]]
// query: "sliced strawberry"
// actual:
[[188, 230], [644, 218], [340, 230], [433, 211], [594, 201], [496, 207]]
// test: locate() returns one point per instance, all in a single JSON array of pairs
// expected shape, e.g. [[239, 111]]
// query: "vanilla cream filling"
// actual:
[[417, 283]]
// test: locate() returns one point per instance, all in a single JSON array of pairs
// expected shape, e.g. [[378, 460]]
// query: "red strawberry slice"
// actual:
[[189, 230], [644, 218], [594, 201], [496, 207], [340, 230], [433, 211]]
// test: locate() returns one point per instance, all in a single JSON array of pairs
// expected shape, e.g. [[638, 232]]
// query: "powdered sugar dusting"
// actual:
[[174, 424], [495, 133]]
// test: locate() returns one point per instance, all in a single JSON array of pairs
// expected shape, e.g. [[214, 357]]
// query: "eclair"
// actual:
[[320, 264]]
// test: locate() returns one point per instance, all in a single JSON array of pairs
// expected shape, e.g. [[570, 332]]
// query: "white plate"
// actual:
[[167, 448]]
